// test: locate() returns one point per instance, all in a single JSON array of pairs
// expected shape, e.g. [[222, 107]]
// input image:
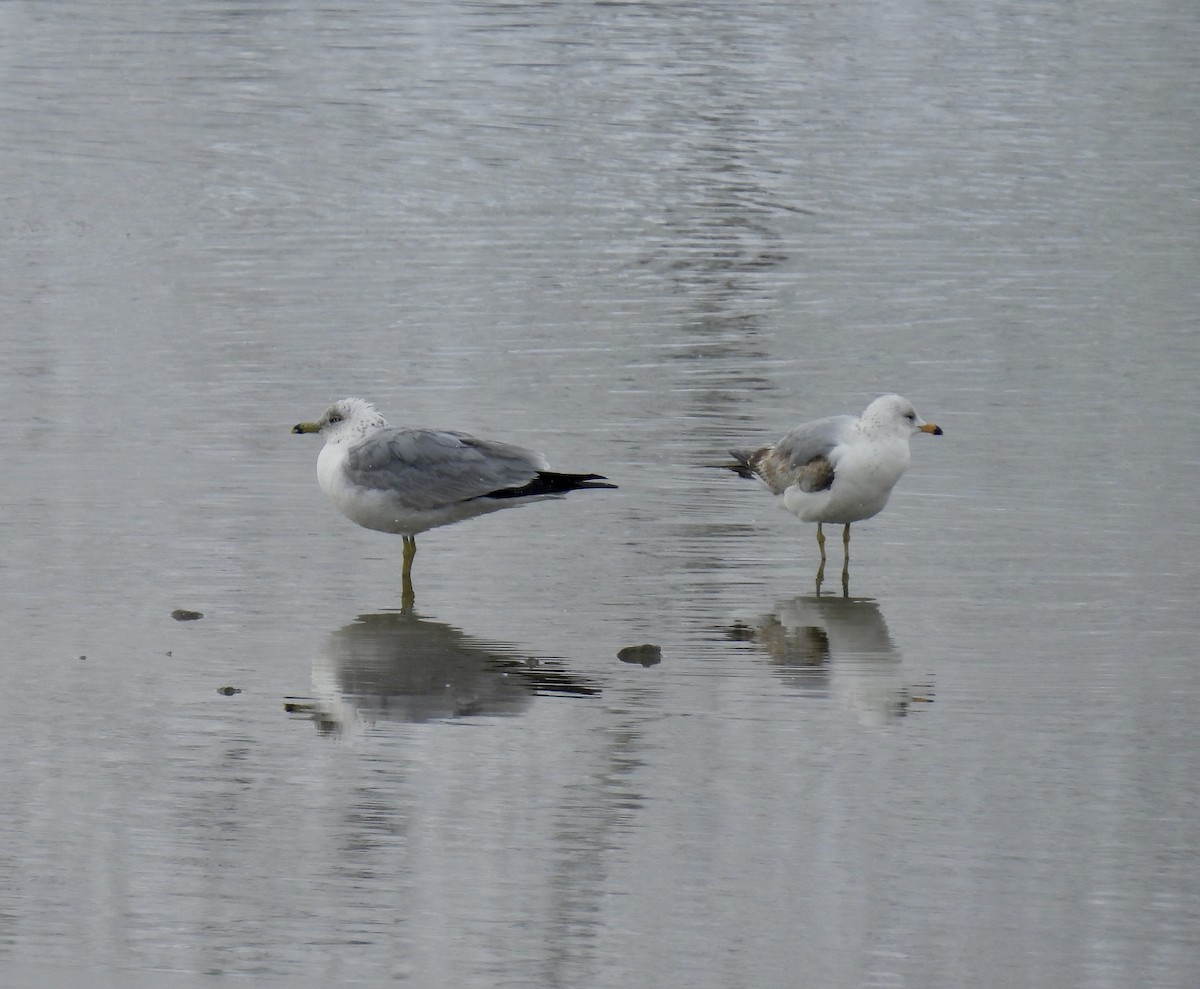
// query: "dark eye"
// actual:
[[910, 416], [334, 418]]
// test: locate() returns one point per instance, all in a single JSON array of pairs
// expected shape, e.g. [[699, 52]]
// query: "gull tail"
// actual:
[[549, 482], [745, 463]]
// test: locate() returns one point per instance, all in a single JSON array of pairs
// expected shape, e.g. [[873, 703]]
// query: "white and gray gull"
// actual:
[[405, 481], [840, 469]]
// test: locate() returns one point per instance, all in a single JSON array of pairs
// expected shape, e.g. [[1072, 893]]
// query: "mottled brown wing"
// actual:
[[802, 458], [779, 473]]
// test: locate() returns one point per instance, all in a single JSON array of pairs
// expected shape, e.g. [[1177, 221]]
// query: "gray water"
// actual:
[[630, 235]]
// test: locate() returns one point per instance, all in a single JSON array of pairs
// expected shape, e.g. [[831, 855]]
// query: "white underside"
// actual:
[[863, 480]]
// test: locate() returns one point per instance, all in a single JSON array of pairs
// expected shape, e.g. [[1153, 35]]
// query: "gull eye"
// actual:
[[334, 418], [910, 416]]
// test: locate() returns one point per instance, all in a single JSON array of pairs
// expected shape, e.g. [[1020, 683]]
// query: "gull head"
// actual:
[[894, 415], [345, 420]]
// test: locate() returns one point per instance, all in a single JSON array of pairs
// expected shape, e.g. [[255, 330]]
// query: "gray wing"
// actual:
[[813, 440], [426, 468]]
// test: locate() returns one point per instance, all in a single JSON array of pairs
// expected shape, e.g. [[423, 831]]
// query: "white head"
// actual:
[[895, 415], [345, 420]]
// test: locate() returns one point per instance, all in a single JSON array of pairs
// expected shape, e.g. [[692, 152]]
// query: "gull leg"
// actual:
[[846, 563], [410, 551], [407, 596], [821, 568]]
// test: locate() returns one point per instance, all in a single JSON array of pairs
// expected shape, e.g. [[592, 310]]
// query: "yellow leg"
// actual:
[[821, 568], [407, 596], [846, 561]]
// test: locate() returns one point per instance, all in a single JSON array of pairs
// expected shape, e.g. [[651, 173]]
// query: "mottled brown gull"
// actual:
[[840, 469]]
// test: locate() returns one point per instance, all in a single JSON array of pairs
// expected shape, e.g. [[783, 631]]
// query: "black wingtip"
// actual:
[[591, 481], [552, 483]]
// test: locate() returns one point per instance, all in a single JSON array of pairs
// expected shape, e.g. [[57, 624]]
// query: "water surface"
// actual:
[[631, 236]]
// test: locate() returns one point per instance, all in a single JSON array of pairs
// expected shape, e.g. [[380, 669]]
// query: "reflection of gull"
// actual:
[[842, 646], [839, 469], [398, 666], [405, 481]]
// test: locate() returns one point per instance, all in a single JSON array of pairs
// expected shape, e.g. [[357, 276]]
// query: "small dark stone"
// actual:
[[643, 655], [183, 615], [229, 691]]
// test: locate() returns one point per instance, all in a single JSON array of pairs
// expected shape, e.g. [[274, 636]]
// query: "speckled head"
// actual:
[[345, 419]]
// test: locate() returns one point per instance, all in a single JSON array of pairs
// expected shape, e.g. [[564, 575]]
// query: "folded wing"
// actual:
[[426, 468]]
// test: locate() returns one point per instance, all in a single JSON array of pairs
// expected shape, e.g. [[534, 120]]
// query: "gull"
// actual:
[[405, 481], [840, 469]]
